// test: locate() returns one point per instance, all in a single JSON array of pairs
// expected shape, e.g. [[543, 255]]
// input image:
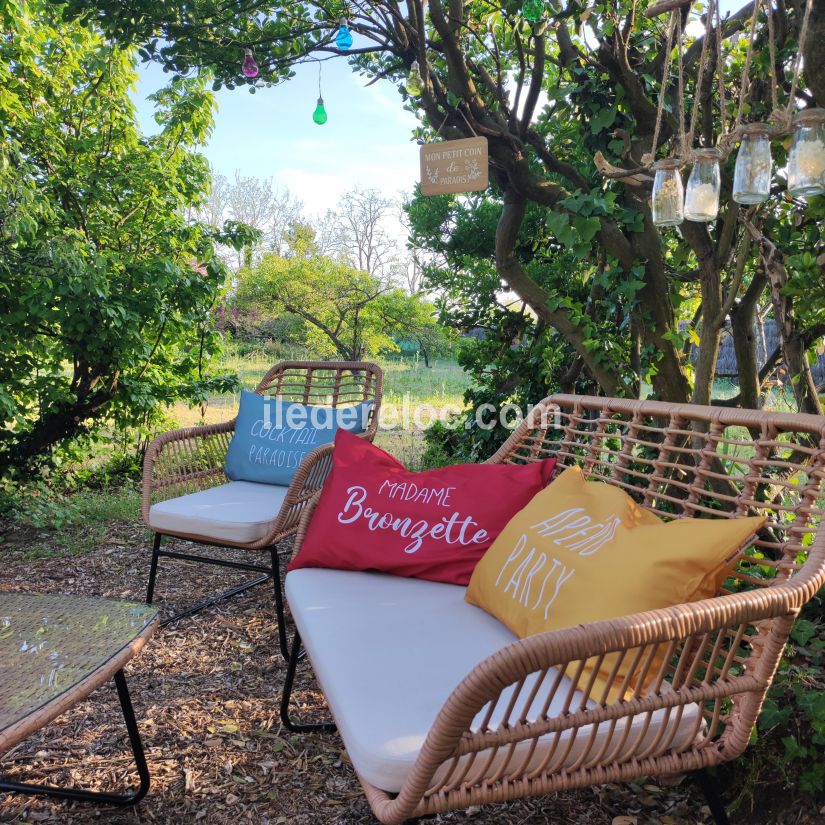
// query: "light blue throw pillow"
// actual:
[[272, 437]]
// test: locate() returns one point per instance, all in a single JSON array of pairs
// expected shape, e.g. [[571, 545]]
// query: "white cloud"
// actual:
[[318, 191], [388, 168], [384, 98]]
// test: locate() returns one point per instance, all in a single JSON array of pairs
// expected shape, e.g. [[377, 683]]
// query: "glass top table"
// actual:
[[54, 651]]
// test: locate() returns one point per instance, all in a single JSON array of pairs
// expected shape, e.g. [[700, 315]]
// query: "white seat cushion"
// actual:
[[240, 511], [388, 651]]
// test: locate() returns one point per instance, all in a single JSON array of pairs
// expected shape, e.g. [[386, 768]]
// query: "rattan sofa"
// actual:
[[187, 495], [440, 707]]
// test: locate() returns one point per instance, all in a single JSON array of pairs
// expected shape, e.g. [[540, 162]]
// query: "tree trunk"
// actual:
[[743, 329], [513, 274], [793, 346], [60, 423], [423, 350], [711, 334], [636, 350], [814, 53], [655, 312]]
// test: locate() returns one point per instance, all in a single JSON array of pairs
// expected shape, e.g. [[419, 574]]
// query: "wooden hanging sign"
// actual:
[[454, 166]]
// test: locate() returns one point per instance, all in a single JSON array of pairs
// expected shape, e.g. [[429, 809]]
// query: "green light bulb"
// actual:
[[320, 113], [533, 10], [413, 83]]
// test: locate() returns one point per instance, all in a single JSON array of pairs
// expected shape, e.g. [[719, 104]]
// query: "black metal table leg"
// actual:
[[99, 796]]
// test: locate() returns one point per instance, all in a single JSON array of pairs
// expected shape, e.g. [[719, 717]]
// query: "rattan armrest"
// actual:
[[561, 647], [304, 520], [184, 461], [303, 493], [515, 447], [680, 631]]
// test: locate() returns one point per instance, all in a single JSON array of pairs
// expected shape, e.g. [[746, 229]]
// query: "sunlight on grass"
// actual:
[[408, 385], [406, 380]]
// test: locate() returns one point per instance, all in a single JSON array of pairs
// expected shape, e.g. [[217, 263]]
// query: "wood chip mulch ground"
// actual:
[[206, 693]]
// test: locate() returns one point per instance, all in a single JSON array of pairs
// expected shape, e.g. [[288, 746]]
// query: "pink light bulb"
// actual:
[[249, 67]]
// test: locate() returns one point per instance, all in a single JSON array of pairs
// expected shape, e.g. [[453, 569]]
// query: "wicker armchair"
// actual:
[[191, 461], [495, 738]]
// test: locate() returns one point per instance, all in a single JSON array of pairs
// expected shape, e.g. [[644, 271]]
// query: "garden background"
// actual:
[[141, 289]]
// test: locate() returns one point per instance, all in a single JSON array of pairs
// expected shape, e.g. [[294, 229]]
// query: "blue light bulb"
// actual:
[[343, 39]]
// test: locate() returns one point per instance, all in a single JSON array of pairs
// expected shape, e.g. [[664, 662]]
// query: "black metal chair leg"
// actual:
[[153, 570], [77, 794], [209, 601], [158, 553], [710, 789], [286, 695], [279, 604]]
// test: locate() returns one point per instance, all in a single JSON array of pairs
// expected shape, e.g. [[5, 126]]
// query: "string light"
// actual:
[[668, 193], [249, 66], [343, 40], [533, 10], [752, 173], [320, 113], [702, 192], [413, 83]]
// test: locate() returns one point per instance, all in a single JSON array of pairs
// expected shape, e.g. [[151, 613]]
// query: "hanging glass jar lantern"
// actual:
[[752, 174], [668, 193], [806, 160], [702, 192]]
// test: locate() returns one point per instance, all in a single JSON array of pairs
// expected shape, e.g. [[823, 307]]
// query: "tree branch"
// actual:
[[536, 81], [516, 277]]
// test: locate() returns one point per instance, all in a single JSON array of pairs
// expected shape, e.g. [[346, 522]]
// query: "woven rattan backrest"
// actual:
[[326, 383], [681, 460]]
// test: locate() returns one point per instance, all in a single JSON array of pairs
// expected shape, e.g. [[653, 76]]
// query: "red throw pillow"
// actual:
[[374, 514]]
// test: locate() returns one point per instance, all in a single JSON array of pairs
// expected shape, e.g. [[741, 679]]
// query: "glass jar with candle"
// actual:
[[668, 193], [806, 160], [752, 174], [702, 193]]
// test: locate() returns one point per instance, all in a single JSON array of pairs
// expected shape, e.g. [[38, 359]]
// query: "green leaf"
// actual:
[[812, 779], [793, 750], [803, 631], [602, 119]]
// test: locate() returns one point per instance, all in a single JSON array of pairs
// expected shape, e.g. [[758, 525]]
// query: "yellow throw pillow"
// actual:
[[582, 551]]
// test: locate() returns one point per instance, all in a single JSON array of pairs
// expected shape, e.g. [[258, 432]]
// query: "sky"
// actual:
[[366, 141]]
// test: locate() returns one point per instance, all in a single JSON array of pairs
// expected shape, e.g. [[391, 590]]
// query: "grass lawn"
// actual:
[[404, 378], [408, 385]]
